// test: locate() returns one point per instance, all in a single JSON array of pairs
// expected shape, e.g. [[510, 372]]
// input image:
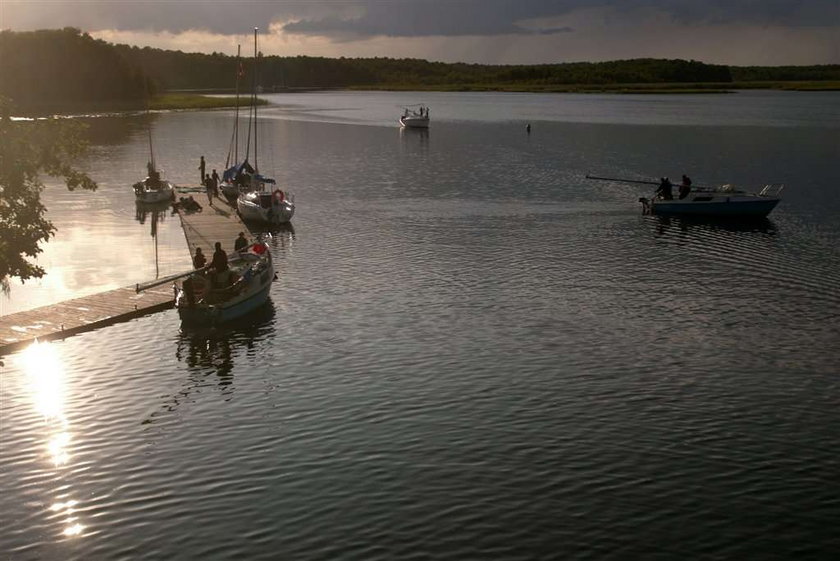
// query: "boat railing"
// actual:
[[772, 190]]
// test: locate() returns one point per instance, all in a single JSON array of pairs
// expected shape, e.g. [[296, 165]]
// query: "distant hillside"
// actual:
[[177, 70], [61, 68]]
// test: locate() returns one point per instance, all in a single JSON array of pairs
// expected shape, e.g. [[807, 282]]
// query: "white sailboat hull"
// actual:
[[265, 208], [145, 193]]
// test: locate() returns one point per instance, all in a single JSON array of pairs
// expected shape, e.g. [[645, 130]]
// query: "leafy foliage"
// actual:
[[28, 149]]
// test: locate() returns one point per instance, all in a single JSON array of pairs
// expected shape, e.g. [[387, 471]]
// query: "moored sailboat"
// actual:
[[254, 202], [153, 189]]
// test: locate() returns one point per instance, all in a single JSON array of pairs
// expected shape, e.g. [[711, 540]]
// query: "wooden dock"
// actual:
[[216, 222], [78, 315]]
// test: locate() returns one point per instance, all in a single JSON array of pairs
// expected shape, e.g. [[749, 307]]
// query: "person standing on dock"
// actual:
[[208, 186], [216, 181], [202, 167]]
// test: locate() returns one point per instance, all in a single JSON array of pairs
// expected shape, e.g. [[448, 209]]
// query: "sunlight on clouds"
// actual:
[[186, 41], [592, 34]]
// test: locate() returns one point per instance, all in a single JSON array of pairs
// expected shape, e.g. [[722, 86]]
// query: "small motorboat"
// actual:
[[207, 297], [725, 200], [415, 116]]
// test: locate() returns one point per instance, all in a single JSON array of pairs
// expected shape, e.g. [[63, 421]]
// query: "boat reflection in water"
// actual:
[[275, 235], [664, 223], [157, 211], [211, 350], [210, 356]]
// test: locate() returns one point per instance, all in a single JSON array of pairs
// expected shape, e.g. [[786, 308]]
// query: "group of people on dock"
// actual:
[[665, 190], [211, 182]]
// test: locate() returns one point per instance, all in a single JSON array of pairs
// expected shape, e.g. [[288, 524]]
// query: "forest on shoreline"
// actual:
[[68, 69]]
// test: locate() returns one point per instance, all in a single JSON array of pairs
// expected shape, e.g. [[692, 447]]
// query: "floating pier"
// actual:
[[78, 315], [218, 222]]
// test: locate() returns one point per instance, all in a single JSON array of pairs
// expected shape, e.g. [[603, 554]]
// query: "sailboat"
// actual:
[[257, 203], [153, 189], [207, 297], [234, 177]]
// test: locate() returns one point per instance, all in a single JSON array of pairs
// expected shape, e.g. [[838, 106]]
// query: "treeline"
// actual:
[[176, 70], [61, 67], [65, 67], [785, 73]]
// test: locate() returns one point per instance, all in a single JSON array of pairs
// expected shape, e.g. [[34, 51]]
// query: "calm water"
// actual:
[[471, 352]]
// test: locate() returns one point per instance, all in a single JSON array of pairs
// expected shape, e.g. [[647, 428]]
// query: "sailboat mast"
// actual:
[[256, 164], [236, 120], [151, 150]]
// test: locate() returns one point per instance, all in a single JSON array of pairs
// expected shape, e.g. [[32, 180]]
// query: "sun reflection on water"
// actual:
[[46, 379]]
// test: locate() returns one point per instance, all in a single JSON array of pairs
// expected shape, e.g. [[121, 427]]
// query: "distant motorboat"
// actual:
[[415, 116]]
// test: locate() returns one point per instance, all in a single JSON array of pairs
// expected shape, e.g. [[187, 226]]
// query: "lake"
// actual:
[[471, 351]]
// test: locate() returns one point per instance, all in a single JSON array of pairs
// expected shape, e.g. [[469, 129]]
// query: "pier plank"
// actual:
[[217, 222]]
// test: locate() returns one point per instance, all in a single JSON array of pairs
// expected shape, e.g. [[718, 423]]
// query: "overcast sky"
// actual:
[[738, 32]]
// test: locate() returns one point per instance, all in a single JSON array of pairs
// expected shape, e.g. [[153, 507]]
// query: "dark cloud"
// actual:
[[417, 18], [395, 18]]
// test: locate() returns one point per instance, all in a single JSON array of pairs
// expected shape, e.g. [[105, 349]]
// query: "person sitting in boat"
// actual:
[[220, 260], [241, 242], [665, 189], [219, 267], [685, 186], [199, 261]]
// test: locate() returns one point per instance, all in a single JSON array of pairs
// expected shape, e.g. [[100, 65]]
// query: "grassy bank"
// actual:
[[163, 102], [182, 101]]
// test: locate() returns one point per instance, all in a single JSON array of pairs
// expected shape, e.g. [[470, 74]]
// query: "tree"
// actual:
[[27, 150]]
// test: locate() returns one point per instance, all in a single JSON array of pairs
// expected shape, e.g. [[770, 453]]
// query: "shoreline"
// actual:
[[186, 101]]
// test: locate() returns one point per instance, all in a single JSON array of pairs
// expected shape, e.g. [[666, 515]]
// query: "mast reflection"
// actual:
[[157, 211]]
